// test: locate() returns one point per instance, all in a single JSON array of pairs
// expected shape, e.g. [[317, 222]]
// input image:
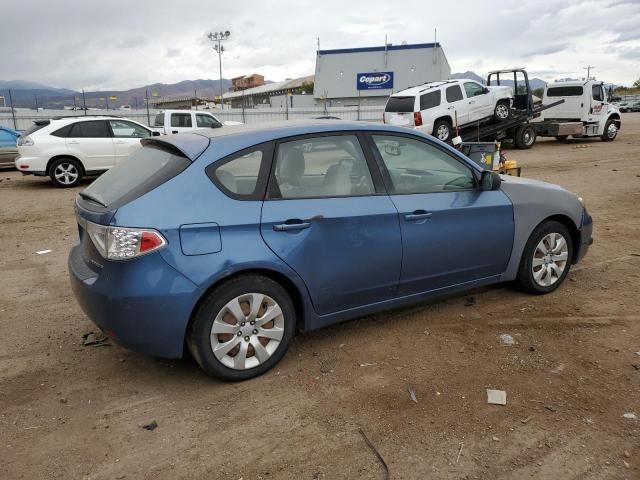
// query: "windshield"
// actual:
[[146, 169], [400, 104]]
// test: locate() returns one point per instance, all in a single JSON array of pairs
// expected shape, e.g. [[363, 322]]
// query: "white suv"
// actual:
[[67, 149], [436, 108]]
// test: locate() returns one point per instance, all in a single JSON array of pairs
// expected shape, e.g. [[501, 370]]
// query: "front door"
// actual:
[[480, 103], [452, 233], [91, 142], [126, 138], [327, 217]]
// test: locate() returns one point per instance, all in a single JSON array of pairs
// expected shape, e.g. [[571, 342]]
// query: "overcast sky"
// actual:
[[117, 44]]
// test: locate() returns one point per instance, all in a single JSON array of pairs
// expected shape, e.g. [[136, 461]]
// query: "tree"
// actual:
[[636, 84]]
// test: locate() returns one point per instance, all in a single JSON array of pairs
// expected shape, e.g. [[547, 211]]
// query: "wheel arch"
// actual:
[[571, 226], [64, 155], [616, 117]]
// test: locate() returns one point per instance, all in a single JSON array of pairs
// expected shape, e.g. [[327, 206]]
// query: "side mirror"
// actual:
[[155, 133], [490, 181], [485, 91], [216, 125]]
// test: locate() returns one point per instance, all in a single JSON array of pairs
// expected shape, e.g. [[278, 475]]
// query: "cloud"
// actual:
[[548, 50], [132, 42], [173, 52]]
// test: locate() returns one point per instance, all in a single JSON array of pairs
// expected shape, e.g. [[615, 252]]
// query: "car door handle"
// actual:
[[418, 215], [118, 141], [74, 142], [291, 225], [175, 131], [450, 108], [472, 101]]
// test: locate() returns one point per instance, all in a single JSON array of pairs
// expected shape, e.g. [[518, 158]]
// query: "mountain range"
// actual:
[[26, 94]]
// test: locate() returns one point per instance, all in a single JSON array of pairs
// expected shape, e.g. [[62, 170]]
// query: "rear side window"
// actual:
[[400, 104], [430, 100], [181, 120], [91, 129], [568, 91], [35, 127], [454, 93], [159, 120], [63, 132], [146, 168]]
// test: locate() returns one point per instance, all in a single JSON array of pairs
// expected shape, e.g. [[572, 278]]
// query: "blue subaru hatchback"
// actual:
[[227, 241]]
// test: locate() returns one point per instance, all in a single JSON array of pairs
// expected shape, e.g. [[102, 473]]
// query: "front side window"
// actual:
[[330, 166], [418, 167], [454, 93], [123, 129], [181, 120], [472, 89], [206, 121], [597, 93], [430, 100], [90, 129]]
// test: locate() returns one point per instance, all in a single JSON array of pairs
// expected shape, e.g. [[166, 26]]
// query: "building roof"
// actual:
[[269, 87], [389, 47]]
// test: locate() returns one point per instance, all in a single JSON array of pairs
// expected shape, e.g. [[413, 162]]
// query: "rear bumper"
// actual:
[[143, 305], [585, 238]]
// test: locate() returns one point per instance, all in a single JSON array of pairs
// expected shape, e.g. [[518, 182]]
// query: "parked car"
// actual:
[[8, 147], [436, 108], [177, 121], [633, 107], [229, 240], [70, 148]]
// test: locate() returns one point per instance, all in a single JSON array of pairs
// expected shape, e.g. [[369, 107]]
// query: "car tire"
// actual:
[[562, 138], [610, 131], [239, 343], [442, 130], [546, 258], [66, 172], [525, 137], [502, 112]]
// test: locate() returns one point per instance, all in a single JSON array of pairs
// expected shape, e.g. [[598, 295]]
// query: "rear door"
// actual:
[[327, 216], [91, 142], [126, 138], [180, 122], [480, 103], [452, 233], [457, 104]]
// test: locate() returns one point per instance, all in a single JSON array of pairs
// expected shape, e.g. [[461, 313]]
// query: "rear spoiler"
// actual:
[[189, 145]]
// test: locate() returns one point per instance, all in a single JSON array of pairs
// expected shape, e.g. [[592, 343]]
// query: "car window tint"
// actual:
[[418, 167], [206, 121], [63, 132], [596, 91], [181, 120], [472, 89], [331, 166], [453, 93], [569, 91], [430, 100], [240, 175], [90, 129], [400, 104], [122, 129], [159, 120]]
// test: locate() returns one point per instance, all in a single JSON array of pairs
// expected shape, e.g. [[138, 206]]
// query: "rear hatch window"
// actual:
[[146, 169], [400, 104], [37, 125]]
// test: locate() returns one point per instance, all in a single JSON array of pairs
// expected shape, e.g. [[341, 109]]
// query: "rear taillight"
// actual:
[[417, 119], [119, 243], [24, 141]]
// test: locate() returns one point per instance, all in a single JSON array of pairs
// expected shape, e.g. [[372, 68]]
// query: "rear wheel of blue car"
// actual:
[[546, 258], [242, 328]]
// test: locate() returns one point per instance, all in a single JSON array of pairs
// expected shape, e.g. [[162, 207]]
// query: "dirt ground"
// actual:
[[69, 411]]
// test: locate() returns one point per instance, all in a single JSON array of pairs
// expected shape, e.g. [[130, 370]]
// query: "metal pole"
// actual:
[[220, 63], [195, 92], [36, 96], [13, 112], [146, 96], [84, 102], [358, 105], [286, 102], [242, 100]]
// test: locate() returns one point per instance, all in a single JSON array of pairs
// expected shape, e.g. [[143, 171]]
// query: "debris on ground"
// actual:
[[496, 397], [412, 395], [43, 252], [551, 408], [470, 301], [95, 340], [461, 349], [150, 426], [525, 420], [368, 364], [636, 366], [459, 452], [626, 464], [495, 439], [627, 454], [558, 369], [375, 450], [507, 340], [630, 416], [327, 366]]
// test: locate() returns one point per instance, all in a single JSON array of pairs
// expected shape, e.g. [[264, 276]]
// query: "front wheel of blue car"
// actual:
[[546, 258], [242, 328]]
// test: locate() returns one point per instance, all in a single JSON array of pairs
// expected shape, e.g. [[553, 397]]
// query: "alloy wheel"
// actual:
[[66, 173], [550, 259], [442, 132], [612, 130], [502, 111], [247, 331]]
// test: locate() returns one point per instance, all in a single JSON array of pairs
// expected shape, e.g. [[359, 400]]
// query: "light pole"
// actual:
[[217, 38]]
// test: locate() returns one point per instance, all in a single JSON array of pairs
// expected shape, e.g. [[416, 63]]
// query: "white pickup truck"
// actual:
[[167, 122], [585, 112]]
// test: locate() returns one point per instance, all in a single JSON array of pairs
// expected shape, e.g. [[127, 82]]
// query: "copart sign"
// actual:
[[375, 80]]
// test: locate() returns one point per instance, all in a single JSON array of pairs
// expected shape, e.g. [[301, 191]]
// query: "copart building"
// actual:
[[367, 76]]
